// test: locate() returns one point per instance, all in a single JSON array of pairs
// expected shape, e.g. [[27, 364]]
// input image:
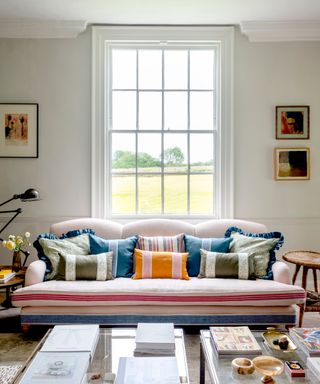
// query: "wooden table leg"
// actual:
[[294, 278], [301, 314], [304, 278], [315, 281]]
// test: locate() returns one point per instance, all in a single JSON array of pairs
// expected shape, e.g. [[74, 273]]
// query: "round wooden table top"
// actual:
[[309, 259]]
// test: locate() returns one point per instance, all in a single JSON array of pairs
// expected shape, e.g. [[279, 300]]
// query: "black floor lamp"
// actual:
[[30, 194]]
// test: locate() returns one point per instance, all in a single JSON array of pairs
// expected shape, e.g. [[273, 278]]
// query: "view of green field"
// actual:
[[175, 194]]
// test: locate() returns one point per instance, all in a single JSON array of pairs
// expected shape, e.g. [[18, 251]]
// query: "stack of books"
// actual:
[[6, 274], [155, 339], [234, 341], [64, 357], [307, 339]]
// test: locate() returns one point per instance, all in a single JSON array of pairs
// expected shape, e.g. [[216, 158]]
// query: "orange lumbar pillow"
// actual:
[[163, 265]]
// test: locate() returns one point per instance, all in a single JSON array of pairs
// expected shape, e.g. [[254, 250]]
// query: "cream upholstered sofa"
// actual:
[[124, 301]]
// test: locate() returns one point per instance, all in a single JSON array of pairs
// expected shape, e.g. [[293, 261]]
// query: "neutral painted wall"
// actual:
[[57, 74]]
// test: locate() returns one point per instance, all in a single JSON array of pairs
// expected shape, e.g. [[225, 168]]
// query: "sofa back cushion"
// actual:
[[165, 265], [85, 267]]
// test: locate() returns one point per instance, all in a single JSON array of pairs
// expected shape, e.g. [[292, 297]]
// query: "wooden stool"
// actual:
[[307, 260]]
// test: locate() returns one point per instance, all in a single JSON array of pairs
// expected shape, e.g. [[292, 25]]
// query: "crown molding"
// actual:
[[273, 31], [40, 29]]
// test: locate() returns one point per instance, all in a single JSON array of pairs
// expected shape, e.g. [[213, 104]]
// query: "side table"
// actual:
[[307, 260], [14, 282]]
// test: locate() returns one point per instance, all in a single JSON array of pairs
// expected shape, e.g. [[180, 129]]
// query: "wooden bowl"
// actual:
[[242, 366], [269, 366]]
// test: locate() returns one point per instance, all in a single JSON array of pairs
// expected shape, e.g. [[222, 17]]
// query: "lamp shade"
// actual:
[[30, 194]]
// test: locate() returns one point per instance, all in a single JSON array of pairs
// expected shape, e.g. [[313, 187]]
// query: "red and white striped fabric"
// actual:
[[162, 243]]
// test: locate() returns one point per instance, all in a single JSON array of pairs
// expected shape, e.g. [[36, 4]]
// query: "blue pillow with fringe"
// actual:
[[238, 245], [47, 243]]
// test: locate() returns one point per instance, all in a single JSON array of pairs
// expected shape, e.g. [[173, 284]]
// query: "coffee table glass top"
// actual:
[[114, 343], [220, 370]]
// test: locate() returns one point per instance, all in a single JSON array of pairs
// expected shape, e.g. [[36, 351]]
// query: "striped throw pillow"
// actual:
[[162, 265], [85, 267], [226, 265], [162, 243]]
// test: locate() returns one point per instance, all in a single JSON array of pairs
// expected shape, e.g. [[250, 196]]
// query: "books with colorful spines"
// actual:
[[307, 339], [234, 340], [6, 274]]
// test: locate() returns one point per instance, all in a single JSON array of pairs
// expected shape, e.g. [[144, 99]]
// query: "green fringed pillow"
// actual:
[[85, 267], [226, 265]]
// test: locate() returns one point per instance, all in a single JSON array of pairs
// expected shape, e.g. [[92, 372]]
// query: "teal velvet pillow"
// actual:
[[122, 249], [193, 246], [226, 265]]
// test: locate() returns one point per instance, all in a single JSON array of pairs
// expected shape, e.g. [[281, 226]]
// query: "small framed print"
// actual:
[[292, 163], [292, 122], [19, 130]]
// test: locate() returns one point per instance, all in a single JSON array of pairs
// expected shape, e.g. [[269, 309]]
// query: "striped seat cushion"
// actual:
[[162, 243], [161, 292], [152, 265]]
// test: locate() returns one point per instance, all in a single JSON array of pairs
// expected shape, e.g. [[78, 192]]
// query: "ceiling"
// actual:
[[260, 20], [161, 11]]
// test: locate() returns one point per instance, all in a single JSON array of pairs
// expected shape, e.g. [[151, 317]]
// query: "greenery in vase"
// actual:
[[16, 243]]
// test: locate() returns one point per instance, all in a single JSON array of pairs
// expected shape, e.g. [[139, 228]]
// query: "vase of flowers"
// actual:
[[16, 244]]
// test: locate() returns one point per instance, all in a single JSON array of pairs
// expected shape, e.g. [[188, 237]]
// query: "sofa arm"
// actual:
[[281, 272], [35, 272]]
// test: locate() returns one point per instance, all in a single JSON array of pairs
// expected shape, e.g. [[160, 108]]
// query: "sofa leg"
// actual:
[[25, 328]]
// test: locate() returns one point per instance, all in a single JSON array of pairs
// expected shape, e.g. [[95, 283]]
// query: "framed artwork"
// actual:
[[292, 122], [292, 163], [19, 130]]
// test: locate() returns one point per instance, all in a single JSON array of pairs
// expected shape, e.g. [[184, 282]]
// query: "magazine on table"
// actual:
[[234, 340], [313, 363], [307, 339], [6, 274], [53, 367]]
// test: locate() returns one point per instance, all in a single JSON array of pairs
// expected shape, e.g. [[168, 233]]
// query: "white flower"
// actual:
[[27, 235]]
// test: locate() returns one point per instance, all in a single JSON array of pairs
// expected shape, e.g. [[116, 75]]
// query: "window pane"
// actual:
[[149, 152], [175, 69], [149, 194], [201, 69], [150, 69], [124, 69], [150, 110], [175, 194], [175, 110], [124, 110], [201, 152], [201, 194], [123, 153], [123, 195], [175, 157], [201, 110]]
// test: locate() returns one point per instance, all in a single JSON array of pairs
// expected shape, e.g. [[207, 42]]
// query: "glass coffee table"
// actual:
[[114, 343], [220, 371]]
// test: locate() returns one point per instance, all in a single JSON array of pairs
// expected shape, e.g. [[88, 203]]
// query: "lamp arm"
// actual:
[[17, 212], [12, 198]]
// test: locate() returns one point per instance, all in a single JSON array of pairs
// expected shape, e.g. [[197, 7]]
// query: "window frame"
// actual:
[[101, 157]]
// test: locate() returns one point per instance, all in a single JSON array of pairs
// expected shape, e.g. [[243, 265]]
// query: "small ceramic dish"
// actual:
[[242, 366], [272, 335], [268, 366]]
